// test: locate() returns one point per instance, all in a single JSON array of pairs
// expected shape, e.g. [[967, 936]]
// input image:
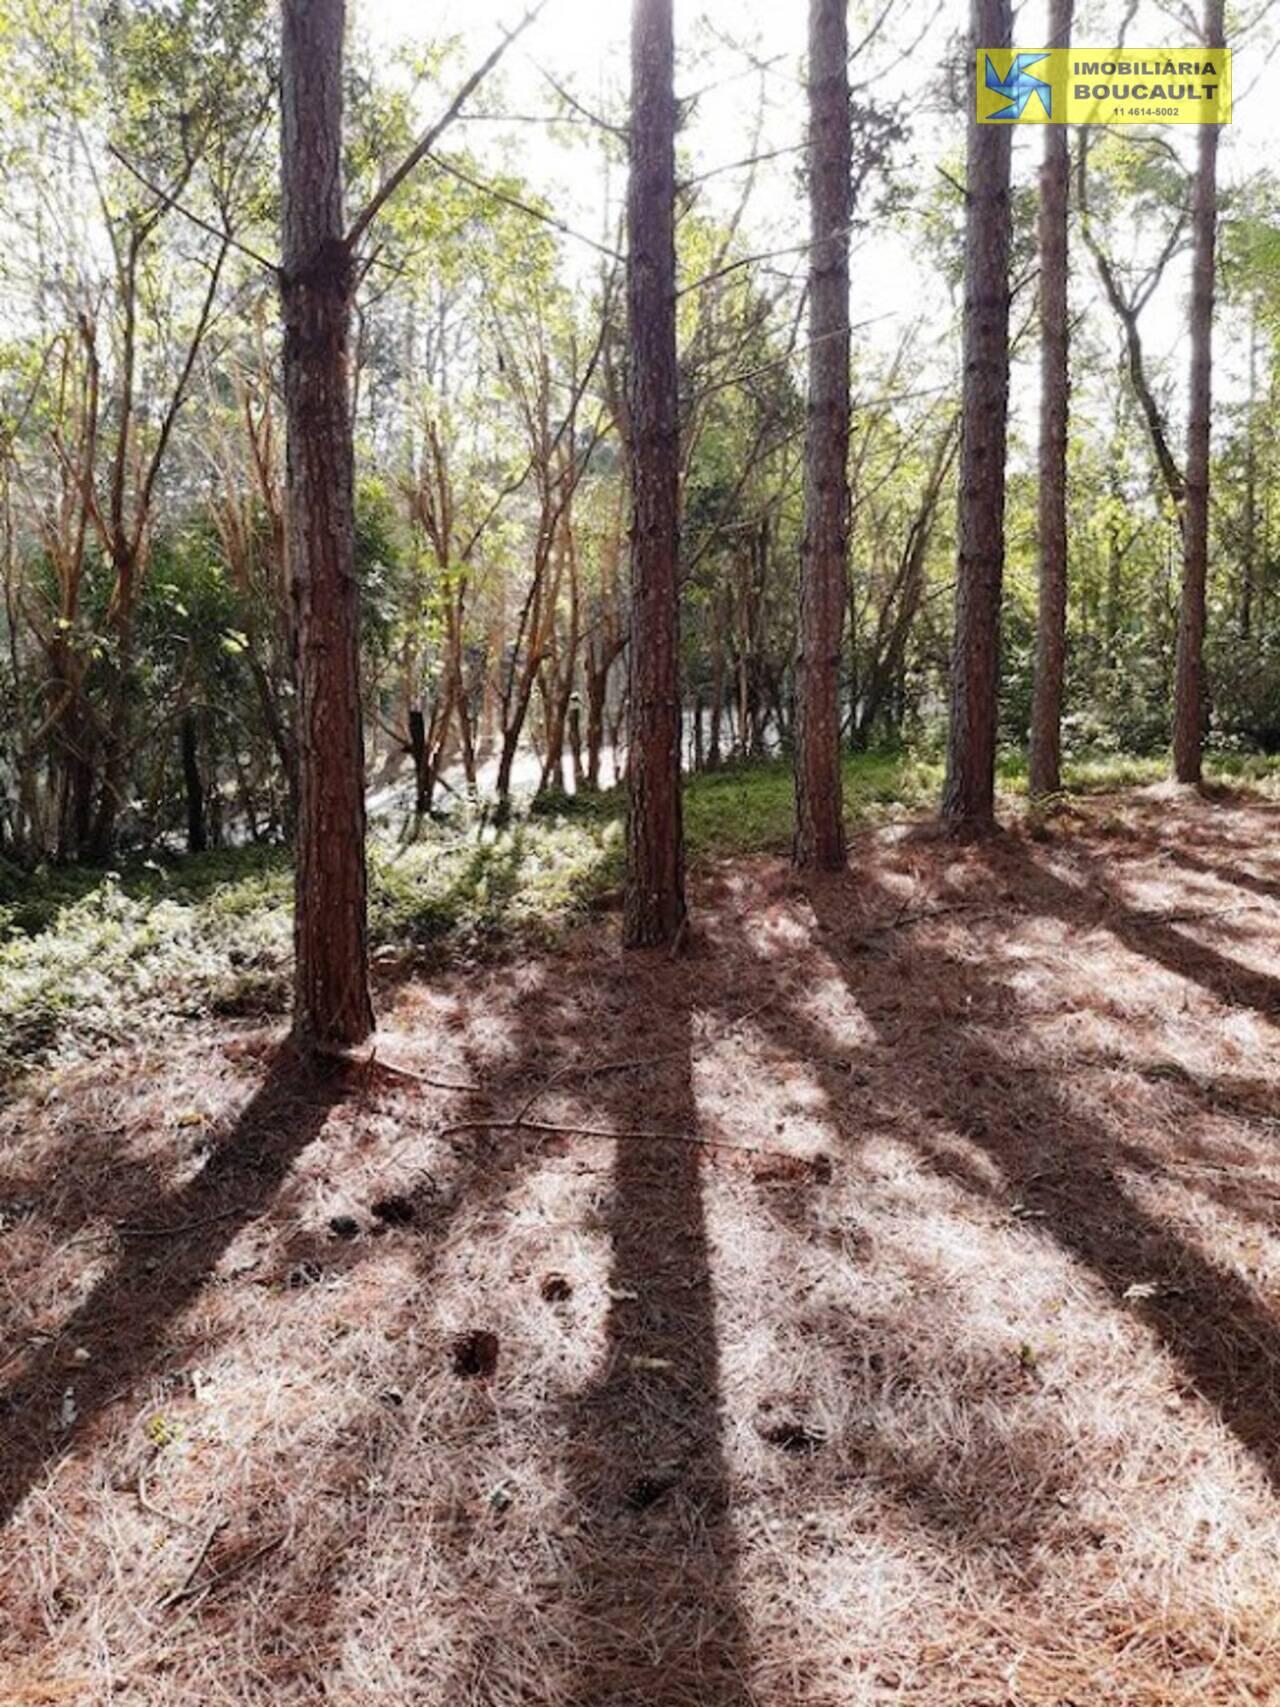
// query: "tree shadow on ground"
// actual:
[[636, 1522], [169, 1252], [1142, 933], [653, 1570], [647, 1575], [1229, 874], [1061, 1162], [344, 1487]]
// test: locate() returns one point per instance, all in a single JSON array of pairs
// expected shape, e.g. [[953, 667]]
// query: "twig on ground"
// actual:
[[126, 1232], [190, 1590], [175, 1596], [598, 1069], [1197, 915], [373, 1062], [239, 1565], [140, 1488], [905, 920], [556, 1128]]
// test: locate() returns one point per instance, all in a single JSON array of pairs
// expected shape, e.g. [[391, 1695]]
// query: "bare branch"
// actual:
[[427, 141], [571, 100], [509, 200], [176, 206]]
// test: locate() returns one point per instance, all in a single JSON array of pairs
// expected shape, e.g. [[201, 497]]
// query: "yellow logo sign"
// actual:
[[1090, 85]]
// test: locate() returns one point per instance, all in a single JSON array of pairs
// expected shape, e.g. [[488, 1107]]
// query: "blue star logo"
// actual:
[[1018, 86]]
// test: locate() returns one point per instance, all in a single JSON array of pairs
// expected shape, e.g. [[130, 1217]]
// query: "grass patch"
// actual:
[[90, 958], [750, 808]]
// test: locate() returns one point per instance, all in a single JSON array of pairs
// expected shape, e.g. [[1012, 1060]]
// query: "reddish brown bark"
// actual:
[[332, 1007], [1055, 382], [1190, 691], [968, 798], [819, 832], [654, 900]]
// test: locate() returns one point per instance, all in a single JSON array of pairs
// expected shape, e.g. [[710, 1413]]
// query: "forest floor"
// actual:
[[914, 1337], [90, 958]]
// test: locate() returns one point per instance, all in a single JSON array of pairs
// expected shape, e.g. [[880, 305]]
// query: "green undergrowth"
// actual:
[[91, 958]]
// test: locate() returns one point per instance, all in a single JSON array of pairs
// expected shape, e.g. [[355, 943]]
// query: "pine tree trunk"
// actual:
[[819, 832], [1055, 381], [193, 785], [422, 773], [597, 687], [1249, 556], [1190, 694], [968, 798], [654, 901], [332, 1007]]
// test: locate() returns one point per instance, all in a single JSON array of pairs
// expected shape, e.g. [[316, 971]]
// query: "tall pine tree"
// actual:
[[654, 905], [1190, 693], [332, 1007], [819, 834], [1055, 382], [968, 798]]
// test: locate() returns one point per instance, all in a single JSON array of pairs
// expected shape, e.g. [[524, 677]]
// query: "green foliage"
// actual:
[[90, 959], [1246, 690], [751, 808]]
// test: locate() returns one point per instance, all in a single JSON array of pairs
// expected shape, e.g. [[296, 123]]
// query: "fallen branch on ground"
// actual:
[[373, 1062], [169, 1517], [126, 1232], [556, 1128]]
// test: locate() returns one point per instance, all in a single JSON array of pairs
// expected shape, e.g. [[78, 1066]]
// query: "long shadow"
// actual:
[[1236, 985], [647, 1607], [303, 1602], [1229, 875], [175, 1241], [654, 1574], [1226, 1343]]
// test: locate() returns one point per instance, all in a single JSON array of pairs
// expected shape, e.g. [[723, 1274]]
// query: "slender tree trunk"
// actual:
[[714, 755], [968, 797], [506, 766], [332, 1007], [819, 832], [557, 722], [597, 686], [884, 676], [116, 745], [575, 742], [616, 725], [654, 903], [422, 774], [1113, 595], [197, 838], [1249, 556], [1190, 696], [1055, 383]]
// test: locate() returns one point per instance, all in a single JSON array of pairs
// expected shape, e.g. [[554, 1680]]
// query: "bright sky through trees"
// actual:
[[744, 60]]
